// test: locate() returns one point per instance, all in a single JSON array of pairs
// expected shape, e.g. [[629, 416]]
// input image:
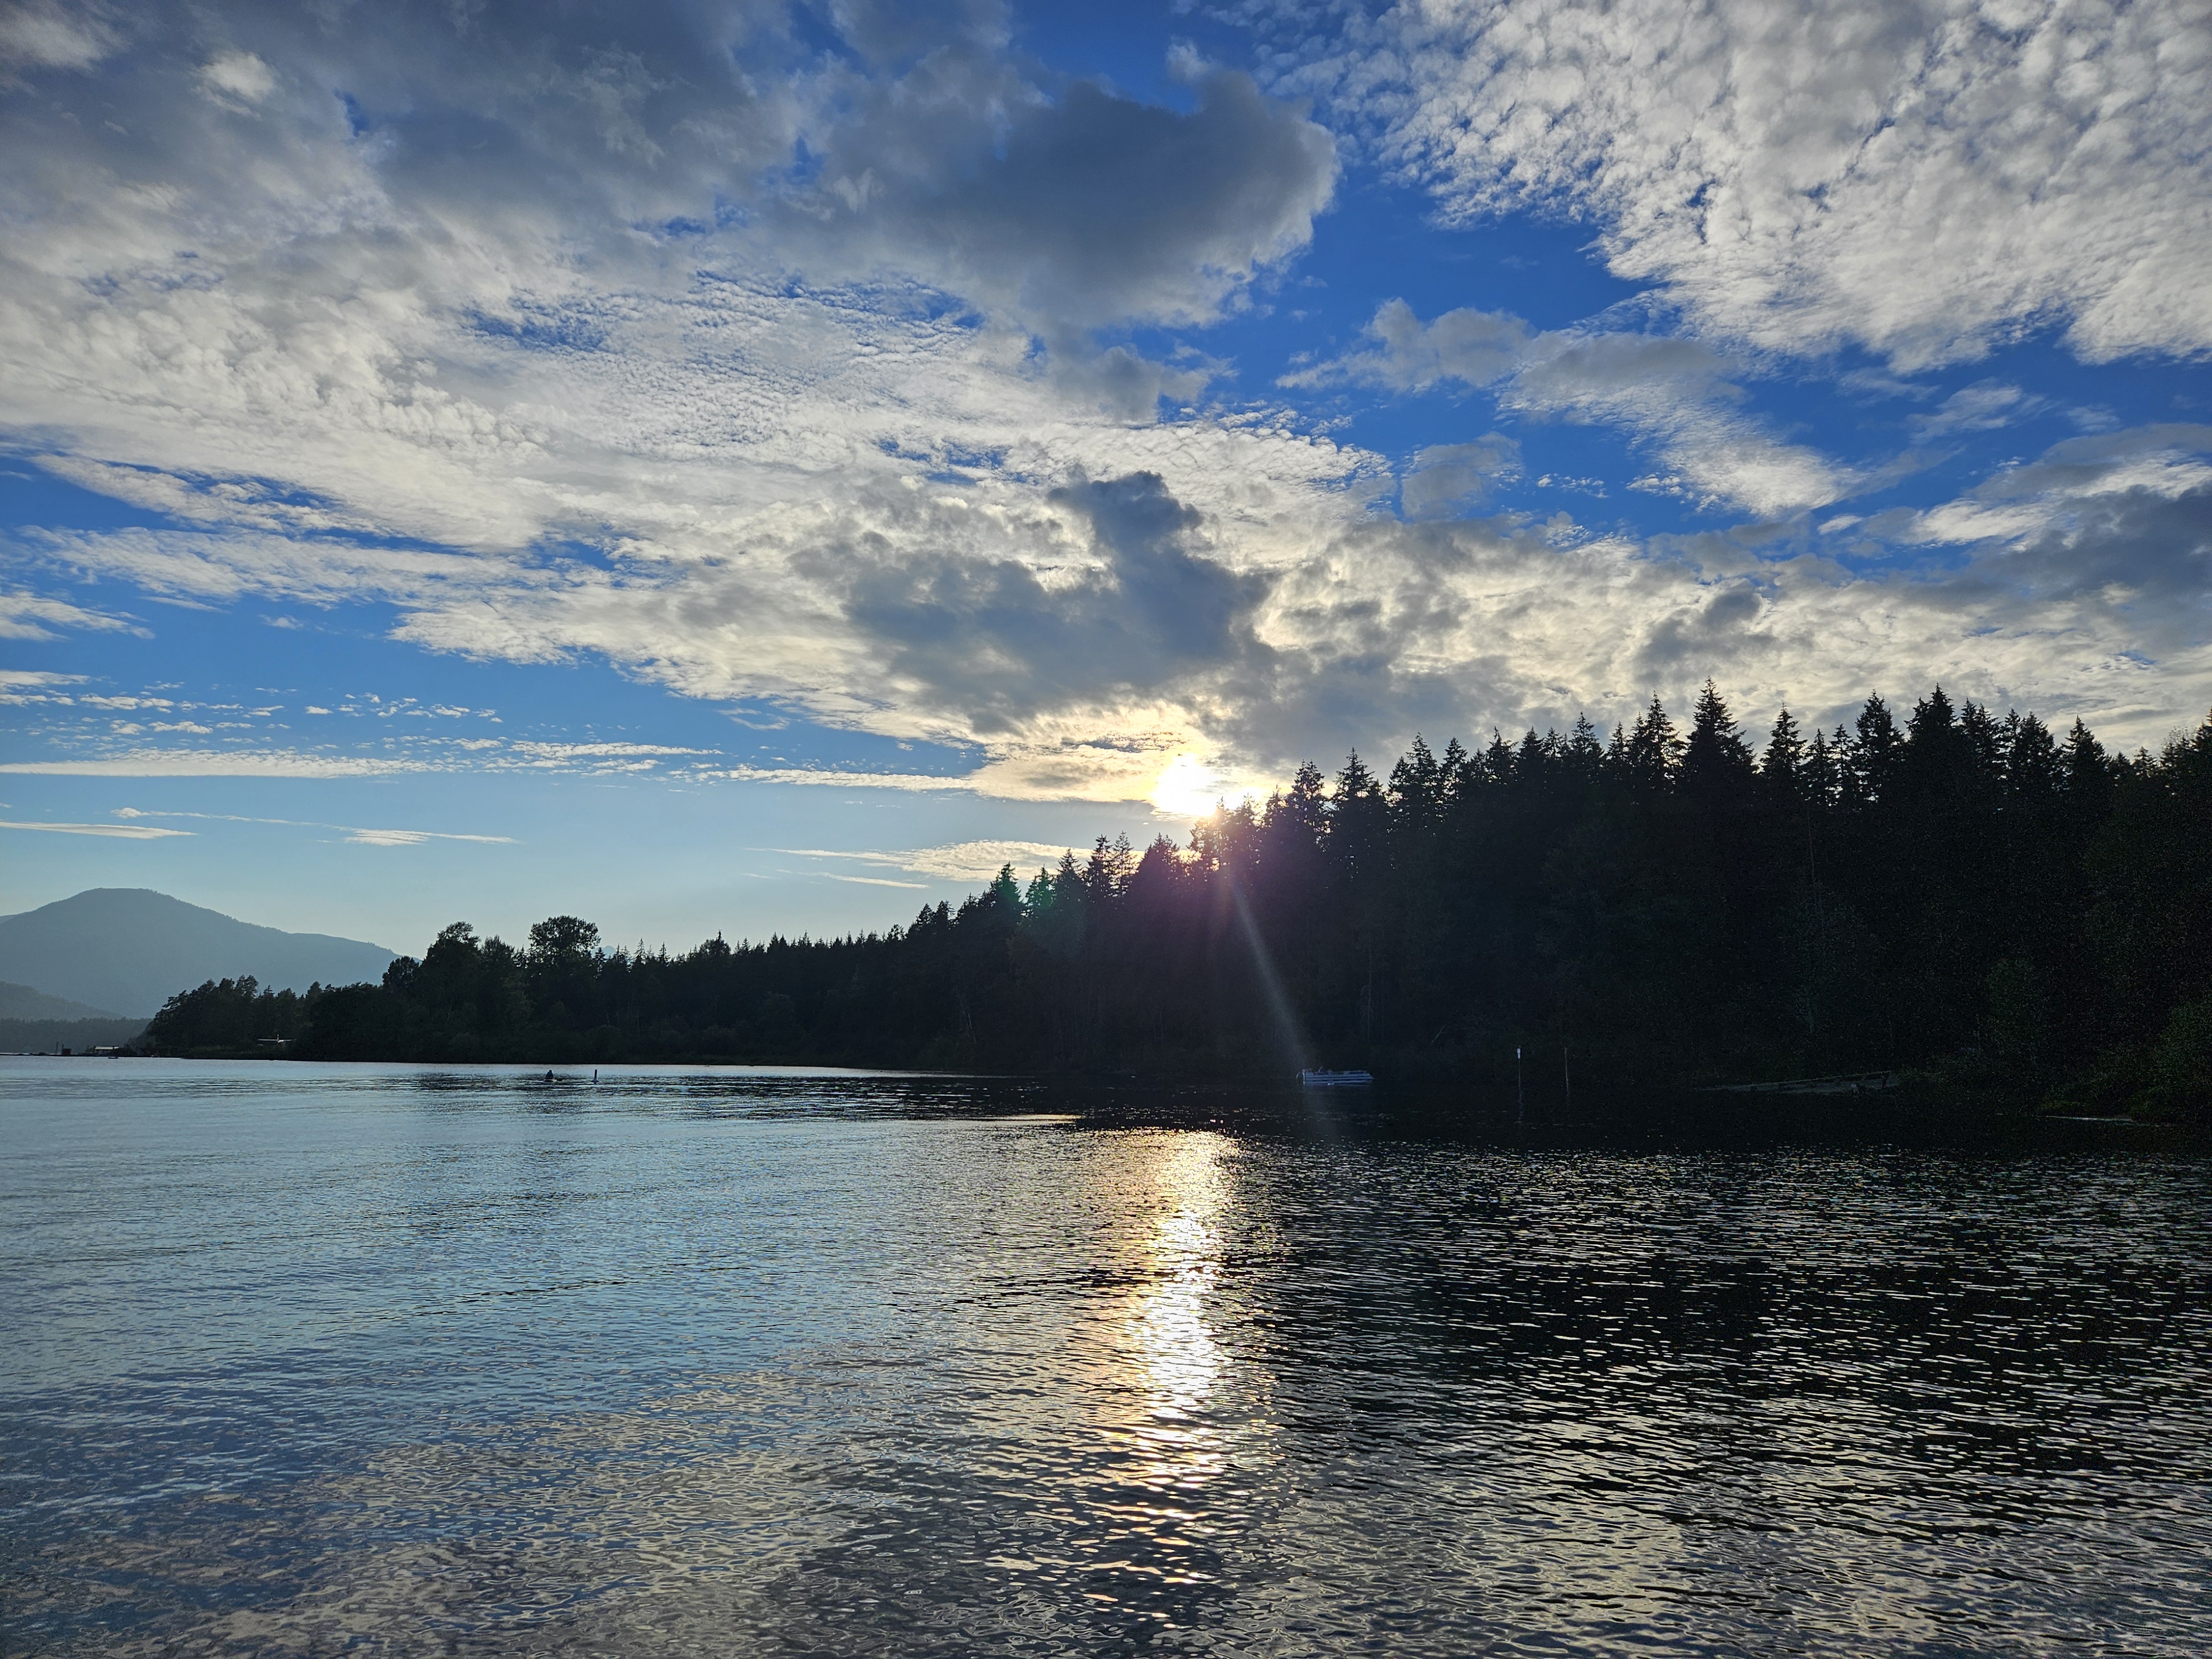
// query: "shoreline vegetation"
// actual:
[[2009, 919], [41, 1036]]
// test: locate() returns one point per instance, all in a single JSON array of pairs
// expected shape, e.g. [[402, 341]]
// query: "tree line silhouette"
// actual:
[[2012, 912]]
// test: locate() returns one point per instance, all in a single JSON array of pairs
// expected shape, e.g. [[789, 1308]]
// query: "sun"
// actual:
[[1187, 788]]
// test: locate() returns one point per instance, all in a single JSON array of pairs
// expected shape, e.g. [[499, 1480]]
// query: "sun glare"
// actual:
[[1188, 787], [1168, 1324]]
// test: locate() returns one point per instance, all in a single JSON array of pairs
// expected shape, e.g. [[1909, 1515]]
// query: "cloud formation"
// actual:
[[357, 837], [1092, 641], [215, 763], [34, 617], [1450, 479], [1925, 178], [831, 360], [1677, 395], [117, 831], [967, 861]]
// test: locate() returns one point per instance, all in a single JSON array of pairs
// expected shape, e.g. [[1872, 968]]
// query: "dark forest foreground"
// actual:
[[2009, 920]]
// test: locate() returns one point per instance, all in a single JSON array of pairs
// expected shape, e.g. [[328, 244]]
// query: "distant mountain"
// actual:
[[132, 949], [21, 1002]]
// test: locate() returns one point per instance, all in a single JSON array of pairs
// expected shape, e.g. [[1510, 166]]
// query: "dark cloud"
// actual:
[[899, 140], [2081, 466], [997, 642], [1077, 210], [1708, 639], [2149, 552], [888, 32], [1402, 647], [2116, 523]]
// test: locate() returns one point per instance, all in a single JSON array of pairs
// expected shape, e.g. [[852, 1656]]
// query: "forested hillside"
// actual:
[[2022, 914]]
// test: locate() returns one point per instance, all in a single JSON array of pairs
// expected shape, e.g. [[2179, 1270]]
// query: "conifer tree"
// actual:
[[1457, 772], [2082, 925], [2089, 774], [1416, 783], [1358, 819], [1354, 782], [1716, 767], [1305, 803], [1985, 744], [1498, 760], [1937, 762], [1585, 756], [1878, 750], [1781, 765], [1850, 776], [1532, 762], [2031, 770], [1821, 779], [1618, 765], [1036, 902], [1105, 873], [1653, 753]]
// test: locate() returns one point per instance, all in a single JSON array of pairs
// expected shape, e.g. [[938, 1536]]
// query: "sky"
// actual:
[[754, 468]]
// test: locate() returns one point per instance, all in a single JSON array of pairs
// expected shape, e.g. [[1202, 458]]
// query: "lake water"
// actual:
[[384, 1359]]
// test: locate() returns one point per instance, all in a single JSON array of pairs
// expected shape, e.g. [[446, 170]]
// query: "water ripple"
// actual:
[[308, 1360]]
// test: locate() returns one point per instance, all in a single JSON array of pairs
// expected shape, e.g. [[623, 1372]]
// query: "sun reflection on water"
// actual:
[[1167, 1326]]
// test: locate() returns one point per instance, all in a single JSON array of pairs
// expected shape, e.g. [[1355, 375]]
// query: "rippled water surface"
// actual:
[[312, 1360]]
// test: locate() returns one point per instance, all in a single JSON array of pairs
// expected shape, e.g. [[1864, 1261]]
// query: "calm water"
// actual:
[[311, 1359]]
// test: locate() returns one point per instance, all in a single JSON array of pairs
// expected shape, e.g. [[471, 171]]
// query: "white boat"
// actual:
[[1336, 1079]]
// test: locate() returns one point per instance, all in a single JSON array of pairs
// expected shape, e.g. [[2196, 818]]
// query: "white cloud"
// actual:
[[906, 783], [970, 861], [417, 837], [1454, 627], [43, 34], [121, 831], [237, 78], [215, 763], [1924, 177], [1674, 394], [29, 617], [357, 836], [978, 861], [1983, 407], [1107, 644], [559, 753], [704, 314], [2164, 462], [623, 380]]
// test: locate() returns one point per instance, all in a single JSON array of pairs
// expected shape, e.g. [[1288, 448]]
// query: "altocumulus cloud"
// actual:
[[768, 370], [1923, 177]]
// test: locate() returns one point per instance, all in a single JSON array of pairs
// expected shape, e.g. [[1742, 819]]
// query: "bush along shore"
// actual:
[[2009, 915]]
